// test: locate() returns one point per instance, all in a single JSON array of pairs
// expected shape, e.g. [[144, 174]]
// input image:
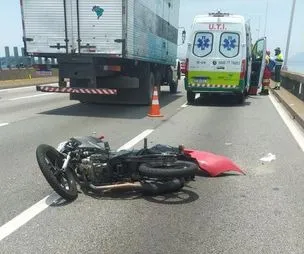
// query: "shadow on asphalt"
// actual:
[[60, 202], [220, 101], [256, 96], [183, 196], [225, 174], [110, 110]]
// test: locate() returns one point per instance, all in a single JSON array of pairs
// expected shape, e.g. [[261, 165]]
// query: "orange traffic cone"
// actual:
[[155, 108]]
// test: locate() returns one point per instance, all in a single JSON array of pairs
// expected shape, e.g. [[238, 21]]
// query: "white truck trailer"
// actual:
[[108, 50]]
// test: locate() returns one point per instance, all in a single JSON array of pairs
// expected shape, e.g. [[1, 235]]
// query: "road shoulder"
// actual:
[[4, 84], [293, 104]]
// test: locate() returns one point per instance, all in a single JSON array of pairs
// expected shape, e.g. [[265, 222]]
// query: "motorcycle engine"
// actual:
[[96, 168]]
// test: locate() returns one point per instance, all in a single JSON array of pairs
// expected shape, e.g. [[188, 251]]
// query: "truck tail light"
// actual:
[[186, 67]]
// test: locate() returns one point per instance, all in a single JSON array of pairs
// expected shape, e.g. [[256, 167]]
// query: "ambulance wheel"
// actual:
[[241, 98], [246, 92], [190, 97]]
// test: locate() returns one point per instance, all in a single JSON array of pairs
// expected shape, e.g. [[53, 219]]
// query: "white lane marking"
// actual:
[[24, 217], [3, 124], [30, 96], [184, 105], [293, 127], [135, 140], [25, 87], [27, 215]]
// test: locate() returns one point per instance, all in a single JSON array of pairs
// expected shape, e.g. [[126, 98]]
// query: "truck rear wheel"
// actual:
[[158, 81], [179, 74], [173, 87], [171, 82], [150, 86], [146, 84]]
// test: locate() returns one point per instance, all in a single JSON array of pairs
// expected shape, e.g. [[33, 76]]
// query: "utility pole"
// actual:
[[266, 18], [259, 27], [289, 35]]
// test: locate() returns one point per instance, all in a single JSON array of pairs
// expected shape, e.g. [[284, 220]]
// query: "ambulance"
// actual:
[[221, 58]]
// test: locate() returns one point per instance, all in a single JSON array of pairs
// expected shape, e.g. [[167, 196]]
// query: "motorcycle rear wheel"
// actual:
[[177, 169], [50, 161]]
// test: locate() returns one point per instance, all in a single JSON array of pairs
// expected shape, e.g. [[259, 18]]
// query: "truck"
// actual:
[[107, 50]]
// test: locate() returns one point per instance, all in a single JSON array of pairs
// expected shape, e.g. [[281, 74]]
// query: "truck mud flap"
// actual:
[[97, 91]]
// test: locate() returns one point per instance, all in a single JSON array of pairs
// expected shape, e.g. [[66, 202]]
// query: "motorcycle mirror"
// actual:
[[181, 148], [107, 146]]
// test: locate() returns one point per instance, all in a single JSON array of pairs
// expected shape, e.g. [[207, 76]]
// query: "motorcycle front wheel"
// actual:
[[50, 162], [176, 169]]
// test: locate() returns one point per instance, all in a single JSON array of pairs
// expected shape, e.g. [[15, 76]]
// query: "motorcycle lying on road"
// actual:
[[89, 162]]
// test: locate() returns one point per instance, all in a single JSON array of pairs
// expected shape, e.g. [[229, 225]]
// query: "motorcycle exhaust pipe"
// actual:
[[116, 186], [151, 188]]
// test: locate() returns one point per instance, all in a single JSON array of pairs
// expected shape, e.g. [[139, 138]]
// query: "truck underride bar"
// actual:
[[55, 89]]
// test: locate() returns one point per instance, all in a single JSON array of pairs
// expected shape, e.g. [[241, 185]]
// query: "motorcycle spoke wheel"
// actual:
[[56, 166], [50, 162]]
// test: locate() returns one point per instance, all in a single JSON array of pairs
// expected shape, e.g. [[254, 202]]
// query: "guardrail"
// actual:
[[294, 83]]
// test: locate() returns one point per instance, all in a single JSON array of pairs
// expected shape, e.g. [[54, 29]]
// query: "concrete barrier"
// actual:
[[291, 94], [293, 83]]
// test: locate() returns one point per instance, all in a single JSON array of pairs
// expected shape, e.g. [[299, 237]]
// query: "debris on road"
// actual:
[[268, 158]]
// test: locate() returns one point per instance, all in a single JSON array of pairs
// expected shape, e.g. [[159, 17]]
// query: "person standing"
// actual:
[[266, 75], [267, 57], [278, 66]]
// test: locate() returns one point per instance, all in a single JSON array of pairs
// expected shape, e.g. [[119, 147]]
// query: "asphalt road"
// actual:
[[261, 212]]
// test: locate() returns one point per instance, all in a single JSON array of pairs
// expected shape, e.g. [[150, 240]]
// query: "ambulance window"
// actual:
[[260, 49], [203, 44], [230, 44]]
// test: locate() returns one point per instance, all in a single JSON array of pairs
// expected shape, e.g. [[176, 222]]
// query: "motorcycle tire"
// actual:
[[48, 158], [178, 169]]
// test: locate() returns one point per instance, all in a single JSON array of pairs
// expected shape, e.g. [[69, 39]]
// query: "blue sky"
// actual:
[[276, 28]]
